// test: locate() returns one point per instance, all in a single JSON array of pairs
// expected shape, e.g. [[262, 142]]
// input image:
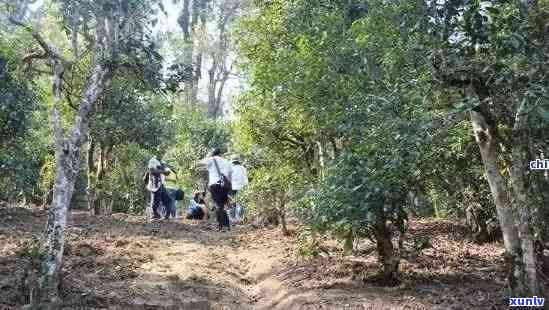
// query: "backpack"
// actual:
[[223, 179]]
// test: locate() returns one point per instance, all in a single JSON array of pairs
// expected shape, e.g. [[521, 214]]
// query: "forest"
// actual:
[[396, 150]]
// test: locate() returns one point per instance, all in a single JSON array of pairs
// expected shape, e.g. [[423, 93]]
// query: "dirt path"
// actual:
[[128, 262], [124, 262]]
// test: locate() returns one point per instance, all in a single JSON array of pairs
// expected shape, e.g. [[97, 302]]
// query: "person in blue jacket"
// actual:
[[197, 209]]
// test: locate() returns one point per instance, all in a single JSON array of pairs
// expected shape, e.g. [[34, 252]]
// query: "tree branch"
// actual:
[[68, 95], [228, 15], [34, 55], [48, 50]]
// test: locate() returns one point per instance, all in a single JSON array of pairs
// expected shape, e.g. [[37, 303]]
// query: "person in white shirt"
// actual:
[[239, 176], [239, 179], [219, 182]]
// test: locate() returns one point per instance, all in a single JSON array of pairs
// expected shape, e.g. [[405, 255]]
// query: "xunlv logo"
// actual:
[[526, 302]]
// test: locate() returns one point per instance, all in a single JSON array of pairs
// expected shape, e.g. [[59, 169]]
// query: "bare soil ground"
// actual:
[[124, 262]]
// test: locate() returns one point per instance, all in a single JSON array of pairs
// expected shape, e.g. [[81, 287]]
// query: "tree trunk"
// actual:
[[47, 197], [217, 78], [187, 26], [336, 147], [55, 229], [529, 283], [95, 183], [485, 136], [219, 97], [416, 202], [349, 242], [100, 204], [389, 259], [321, 160], [67, 154], [183, 20], [105, 195], [373, 66], [212, 84], [199, 31], [282, 214], [331, 148], [92, 172], [219, 73], [477, 220]]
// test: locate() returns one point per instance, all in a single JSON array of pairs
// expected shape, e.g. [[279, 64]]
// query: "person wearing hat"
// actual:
[[154, 179], [239, 175], [239, 179]]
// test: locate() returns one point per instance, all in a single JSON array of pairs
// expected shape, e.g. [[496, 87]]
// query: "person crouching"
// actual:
[[197, 208]]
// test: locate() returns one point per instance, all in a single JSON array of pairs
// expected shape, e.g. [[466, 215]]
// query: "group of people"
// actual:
[[226, 178]]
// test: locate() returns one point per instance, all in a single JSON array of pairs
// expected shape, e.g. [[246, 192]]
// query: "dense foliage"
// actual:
[[21, 143], [355, 115], [195, 137], [369, 102]]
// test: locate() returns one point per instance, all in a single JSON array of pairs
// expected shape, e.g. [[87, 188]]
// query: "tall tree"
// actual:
[[495, 53], [110, 30], [219, 54], [206, 26], [322, 101], [192, 21]]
